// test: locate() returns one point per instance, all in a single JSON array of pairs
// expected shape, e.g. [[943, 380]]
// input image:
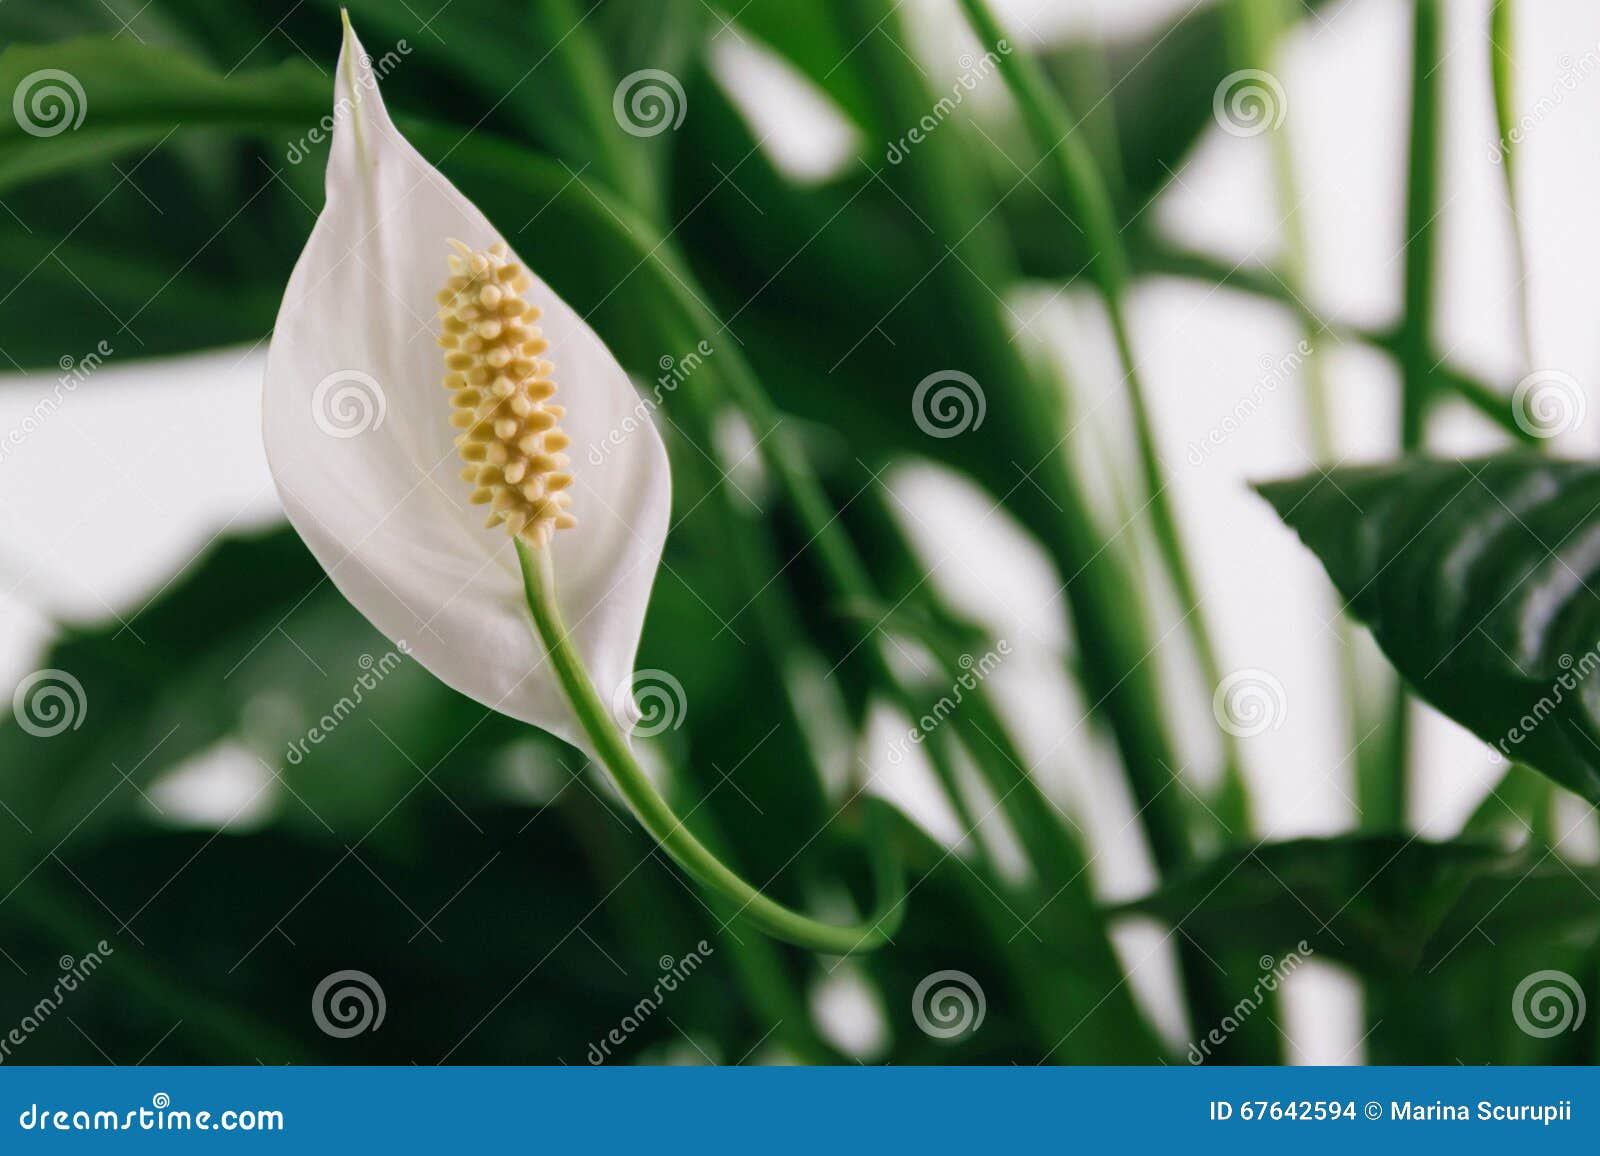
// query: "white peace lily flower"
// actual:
[[368, 450], [387, 476]]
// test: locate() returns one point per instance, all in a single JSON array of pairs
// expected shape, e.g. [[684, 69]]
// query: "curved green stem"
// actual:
[[667, 828]]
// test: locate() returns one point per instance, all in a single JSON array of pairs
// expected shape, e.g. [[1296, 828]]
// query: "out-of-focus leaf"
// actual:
[[254, 646], [130, 96], [1156, 89], [818, 44], [1383, 903], [1476, 580], [486, 937]]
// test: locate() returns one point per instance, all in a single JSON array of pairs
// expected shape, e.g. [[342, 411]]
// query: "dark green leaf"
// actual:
[[1386, 904], [1478, 581]]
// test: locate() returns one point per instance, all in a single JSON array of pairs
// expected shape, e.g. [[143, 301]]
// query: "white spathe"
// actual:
[[358, 438]]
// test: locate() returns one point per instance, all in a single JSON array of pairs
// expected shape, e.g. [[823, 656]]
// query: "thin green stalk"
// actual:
[[1258, 27], [1055, 134], [1388, 807], [657, 816], [1502, 75], [1422, 208], [1157, 258]]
